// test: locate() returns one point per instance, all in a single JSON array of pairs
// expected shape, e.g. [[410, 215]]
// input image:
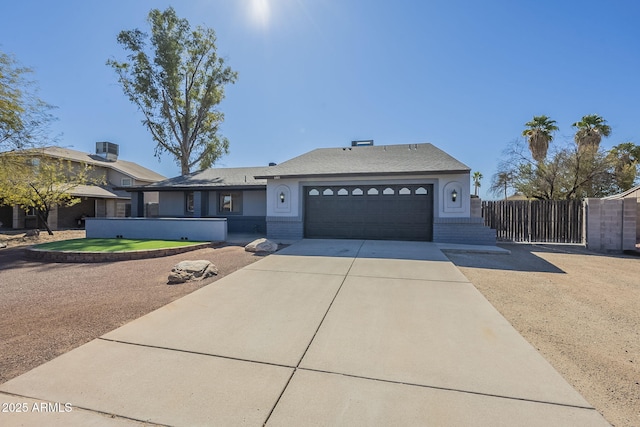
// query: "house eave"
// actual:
[[362, 174], [195, 188]]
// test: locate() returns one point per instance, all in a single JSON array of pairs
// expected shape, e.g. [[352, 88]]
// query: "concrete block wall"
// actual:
[[476, 207], [637, 220], [285, 228], [467, 231], [610, 225], [629, 223]]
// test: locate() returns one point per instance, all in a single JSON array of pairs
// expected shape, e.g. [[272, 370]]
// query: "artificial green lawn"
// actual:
[[112, 245]]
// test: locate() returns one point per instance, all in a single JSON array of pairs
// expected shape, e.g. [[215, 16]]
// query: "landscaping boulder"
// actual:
[[3, 245], [187, 271], [32, 233], [261, 245]]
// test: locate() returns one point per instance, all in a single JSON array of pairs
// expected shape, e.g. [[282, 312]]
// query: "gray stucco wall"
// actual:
[[196, 229], [171, 203], [254, 203]]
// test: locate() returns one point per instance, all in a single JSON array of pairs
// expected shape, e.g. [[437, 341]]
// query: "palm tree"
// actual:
[[590, 130], [477, 176], [539, 134]]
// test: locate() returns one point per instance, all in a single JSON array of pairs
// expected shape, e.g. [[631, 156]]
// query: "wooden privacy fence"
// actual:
[[548, 221]]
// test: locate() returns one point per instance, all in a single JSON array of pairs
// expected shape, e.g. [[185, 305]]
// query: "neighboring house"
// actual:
[[399, 192], [632, 193], [96, 201]]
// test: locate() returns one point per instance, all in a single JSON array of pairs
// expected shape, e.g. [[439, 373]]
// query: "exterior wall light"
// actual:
[[454, 195], [281, 197]]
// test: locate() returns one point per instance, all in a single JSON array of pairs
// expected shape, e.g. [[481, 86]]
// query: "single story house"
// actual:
[[96, 200], [363, 191]]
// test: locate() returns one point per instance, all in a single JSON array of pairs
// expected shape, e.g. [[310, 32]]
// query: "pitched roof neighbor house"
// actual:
[[362, 191], [96, 200]]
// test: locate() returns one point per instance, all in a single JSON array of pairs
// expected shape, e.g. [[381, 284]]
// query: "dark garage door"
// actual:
[[385, 212]]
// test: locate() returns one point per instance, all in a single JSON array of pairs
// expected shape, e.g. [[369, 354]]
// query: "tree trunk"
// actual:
[[44, 217]]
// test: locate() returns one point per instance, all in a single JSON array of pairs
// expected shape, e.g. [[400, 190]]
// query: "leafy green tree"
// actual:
[[539, 133], [625, 158], [589, 132], [24, 118], [477, 177], [40, 182], [176, 79], [570, 172]]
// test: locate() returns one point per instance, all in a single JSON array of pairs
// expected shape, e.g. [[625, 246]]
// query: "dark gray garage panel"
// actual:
[[385, 212]]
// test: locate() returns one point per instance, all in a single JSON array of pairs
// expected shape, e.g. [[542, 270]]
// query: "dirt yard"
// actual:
[[581, 310], [48, 309]]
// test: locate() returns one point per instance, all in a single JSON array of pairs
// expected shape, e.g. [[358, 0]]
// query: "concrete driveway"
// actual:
[[324, 332]]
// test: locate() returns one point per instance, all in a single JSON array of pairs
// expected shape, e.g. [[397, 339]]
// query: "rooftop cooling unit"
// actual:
[[107, 150], [362, 143]]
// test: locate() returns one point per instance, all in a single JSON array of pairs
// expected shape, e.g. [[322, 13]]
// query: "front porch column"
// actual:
[[18, 217], [197, 204], [137, 204]]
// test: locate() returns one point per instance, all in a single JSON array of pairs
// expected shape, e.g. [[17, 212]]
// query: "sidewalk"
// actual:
[[324, 332]]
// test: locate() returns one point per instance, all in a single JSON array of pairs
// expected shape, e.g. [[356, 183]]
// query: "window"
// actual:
[[388, 191], [405, 191], [230, 202], [372, 192], [327, 192], [31, 211], [188, 202], [126, 182], [343, 192], [357, 192], [314, 192], [421, 190]]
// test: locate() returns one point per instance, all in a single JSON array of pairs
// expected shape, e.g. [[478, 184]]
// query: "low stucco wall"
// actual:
[[196, 229]]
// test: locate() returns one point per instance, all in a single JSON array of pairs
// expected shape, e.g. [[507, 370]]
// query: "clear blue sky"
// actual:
[[464, 75]]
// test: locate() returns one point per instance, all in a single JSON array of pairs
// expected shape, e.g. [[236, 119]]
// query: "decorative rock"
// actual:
[[261, 245], [187, 271], [32, 233], [3, 245]]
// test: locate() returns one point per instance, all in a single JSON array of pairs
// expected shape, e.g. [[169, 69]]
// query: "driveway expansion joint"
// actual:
[[314, 335], [199, 353], [456, 390], [413, 279]]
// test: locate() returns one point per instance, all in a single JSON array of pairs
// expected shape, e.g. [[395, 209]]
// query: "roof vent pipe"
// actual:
[[272, 164]]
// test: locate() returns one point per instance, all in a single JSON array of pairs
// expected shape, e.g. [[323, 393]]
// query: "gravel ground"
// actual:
[[50, 308], [580, 309]]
